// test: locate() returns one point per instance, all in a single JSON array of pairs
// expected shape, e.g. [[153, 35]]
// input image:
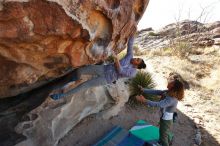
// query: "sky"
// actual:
[[159, 13]]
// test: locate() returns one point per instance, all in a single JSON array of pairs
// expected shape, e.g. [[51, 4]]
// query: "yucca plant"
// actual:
[[143, 79]]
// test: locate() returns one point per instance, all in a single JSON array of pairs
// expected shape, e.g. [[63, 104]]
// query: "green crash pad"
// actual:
[[146, 132], [119, 137]]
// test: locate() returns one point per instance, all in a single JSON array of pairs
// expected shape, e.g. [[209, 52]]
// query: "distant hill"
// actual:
[[193, 32]]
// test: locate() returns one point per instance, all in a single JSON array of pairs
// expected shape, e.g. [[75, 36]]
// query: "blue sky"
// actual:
[[162, 12]]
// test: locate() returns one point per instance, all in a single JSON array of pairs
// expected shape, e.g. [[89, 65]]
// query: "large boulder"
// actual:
[[48, 123], [43, 39]]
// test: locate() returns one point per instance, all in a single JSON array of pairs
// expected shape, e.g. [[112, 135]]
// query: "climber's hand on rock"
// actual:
[[114, 55]]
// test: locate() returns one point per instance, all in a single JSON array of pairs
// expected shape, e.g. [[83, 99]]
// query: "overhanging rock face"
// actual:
[[42, 39]]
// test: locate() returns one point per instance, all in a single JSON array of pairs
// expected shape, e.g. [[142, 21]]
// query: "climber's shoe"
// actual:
[[55, 96], [74, 76]]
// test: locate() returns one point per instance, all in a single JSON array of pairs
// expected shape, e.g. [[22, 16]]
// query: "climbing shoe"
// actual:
[[73, 76], [55, 96]]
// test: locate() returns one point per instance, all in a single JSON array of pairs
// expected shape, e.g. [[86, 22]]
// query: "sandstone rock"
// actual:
[[213, 25], [217, 41], [216, 36], [120, 96], [205, 41], [216, 31], [53, 119], [189, 33], [42, 39], [182, 28]]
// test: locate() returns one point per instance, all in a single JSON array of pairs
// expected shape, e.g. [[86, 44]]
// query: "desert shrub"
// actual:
[[167, 50], [136, 49], [152, 33], [182, 49], [145, 80], [157, 52]]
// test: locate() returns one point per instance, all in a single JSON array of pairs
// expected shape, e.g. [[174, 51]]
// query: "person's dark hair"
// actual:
[[142, 65]]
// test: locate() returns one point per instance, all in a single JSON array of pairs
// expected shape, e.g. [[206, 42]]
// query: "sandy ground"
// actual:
[[91, 129], [200, 108]]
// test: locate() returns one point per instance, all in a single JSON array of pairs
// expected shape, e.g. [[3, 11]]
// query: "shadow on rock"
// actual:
[[14, 109]]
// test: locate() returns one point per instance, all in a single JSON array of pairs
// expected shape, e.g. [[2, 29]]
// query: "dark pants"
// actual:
[[165, 126]]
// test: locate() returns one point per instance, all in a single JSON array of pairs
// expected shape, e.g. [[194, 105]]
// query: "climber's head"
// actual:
[[138, 63], [175, 88]]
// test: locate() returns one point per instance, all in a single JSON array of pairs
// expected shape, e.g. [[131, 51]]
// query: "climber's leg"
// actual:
[[98, 81], [95, 70]]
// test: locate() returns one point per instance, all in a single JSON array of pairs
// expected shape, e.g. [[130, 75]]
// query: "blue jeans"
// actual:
[[97, 71]]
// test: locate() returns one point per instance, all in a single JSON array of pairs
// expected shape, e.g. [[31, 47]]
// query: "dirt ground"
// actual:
[[200, 108]]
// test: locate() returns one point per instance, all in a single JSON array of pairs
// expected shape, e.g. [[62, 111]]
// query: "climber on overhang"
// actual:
[[107, 74]]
